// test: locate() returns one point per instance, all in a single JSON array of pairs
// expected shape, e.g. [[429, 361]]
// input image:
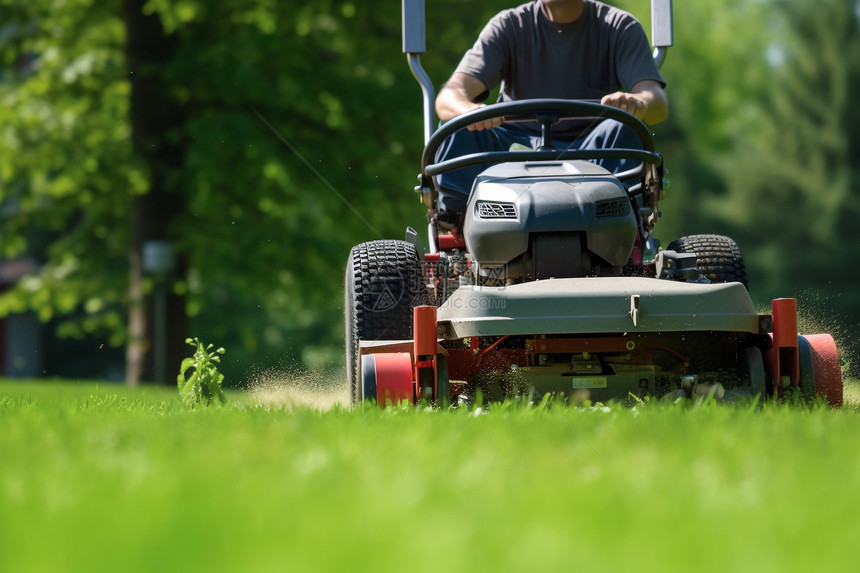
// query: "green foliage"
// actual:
[[67, 172], [791, 176], [199, 380], [330, 79], [761, 145], [799, 159]]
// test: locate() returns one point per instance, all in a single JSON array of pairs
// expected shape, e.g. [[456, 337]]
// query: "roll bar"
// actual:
[[414, 44], [661, 29]]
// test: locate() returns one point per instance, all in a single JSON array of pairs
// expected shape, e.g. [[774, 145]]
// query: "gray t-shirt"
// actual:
[[602, 52]]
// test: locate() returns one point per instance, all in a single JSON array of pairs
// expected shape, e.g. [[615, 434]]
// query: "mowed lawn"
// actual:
[[104, 478]]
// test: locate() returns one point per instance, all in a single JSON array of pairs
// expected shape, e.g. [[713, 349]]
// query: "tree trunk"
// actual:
[[155, 116]]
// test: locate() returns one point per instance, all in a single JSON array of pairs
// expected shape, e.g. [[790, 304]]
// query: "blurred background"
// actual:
[[202, 168]]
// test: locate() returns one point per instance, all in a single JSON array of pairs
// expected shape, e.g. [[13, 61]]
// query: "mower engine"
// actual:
[[541, 220]]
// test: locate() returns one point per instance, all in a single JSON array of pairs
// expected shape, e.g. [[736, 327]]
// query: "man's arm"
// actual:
[[457, 97], [647, 101]]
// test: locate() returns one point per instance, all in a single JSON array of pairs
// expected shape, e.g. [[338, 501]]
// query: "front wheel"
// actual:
[[383, 284]]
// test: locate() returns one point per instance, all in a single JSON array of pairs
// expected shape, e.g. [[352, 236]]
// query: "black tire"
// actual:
[[718, 258], [383, 284]]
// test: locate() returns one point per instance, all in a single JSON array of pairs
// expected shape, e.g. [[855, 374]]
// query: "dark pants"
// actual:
[[454, 187]]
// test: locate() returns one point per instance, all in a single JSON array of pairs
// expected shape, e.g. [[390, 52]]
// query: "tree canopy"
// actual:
[[285, 133]]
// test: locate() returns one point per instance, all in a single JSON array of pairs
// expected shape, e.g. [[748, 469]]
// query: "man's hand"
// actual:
[[458, 96], [625, 102], [487, 123], [646, 100]]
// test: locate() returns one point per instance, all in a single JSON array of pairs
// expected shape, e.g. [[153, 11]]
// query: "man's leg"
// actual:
[[454, 187], [611, 134]]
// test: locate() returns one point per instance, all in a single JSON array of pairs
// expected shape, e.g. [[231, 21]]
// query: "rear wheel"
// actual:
[[718, 258], [383, 284]]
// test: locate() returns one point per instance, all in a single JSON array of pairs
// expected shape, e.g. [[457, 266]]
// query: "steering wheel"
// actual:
[[546, 112]]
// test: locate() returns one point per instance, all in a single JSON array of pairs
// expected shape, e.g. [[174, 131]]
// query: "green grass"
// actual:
[[103, 478]]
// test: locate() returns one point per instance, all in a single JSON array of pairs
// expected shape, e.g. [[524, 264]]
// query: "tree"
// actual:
[[155, 118], [304, 138], [763, 140], [795, 186], [261, 141], [67, 169], [279, 135]]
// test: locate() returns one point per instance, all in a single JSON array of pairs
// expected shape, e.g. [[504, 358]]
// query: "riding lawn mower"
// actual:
[[554, 283]]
